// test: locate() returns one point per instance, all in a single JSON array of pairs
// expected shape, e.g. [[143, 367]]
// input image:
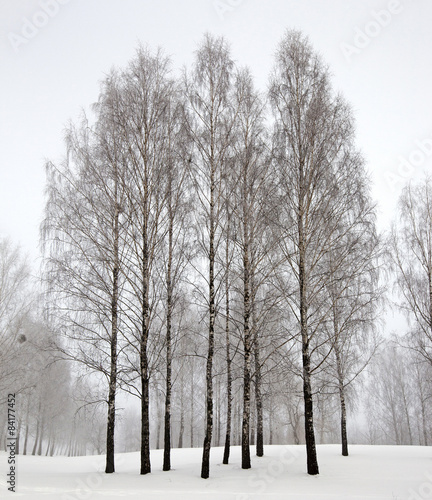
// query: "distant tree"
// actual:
[[410, 245], [15, 303], [354, 296], [391, 402]]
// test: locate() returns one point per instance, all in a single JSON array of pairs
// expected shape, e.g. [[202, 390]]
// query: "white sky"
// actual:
[[47, 79]]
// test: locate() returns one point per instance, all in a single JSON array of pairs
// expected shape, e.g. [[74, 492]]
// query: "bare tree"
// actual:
[[313, 156], [145, 95], [81, 237], [354, 296], [210, 125], [175, 254], [250, 196], [391, 402], [410, 246], [15, 303]]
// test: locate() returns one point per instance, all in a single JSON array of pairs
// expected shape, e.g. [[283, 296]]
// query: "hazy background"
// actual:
[[53, 56]]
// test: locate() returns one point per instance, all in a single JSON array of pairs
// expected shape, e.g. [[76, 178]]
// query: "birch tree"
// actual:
[[15, 303], [354, 295], [145, 94], [410, 247], [312, 151], [250, 195], [81, 241], [208, 89]]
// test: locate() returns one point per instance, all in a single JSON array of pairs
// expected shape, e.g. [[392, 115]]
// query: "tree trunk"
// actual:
[[48, 445], [258, 397], [167, 427], [182, 413], [159, 423], [52, 450], [41, 436], [340, 374], [408, 418], [26, 438], [270, 414], [312, 462], [246, 460], [109, 467], [424, 424], [228, 361], [218, 412], [181, 431], [192, 407], [145, 423], [344, 436], [145, 416], [205, 468], [36, 438]]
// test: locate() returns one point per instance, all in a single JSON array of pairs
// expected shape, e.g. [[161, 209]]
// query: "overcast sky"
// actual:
[[55, 52]]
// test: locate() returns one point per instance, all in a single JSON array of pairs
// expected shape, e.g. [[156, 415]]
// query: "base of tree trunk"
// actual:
[[109, 469], [205, 468], [226, 450], [260, 445]]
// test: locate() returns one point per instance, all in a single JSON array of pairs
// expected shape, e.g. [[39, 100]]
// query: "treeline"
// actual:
[[212, 250], [51, 413]]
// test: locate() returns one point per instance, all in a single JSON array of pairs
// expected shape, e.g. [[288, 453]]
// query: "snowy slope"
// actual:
[[370, 473]]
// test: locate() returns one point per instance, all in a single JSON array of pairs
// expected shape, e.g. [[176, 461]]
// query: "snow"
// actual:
[[369, 473]]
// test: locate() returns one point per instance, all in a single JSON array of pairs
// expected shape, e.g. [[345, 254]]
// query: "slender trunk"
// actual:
[[228, 357], [36, 438], [408, 418], [252, 422], [339, 369], [182, 412], [239, 422], [145, 416], [270, 414], [181, 431], [424, 424], [218, 413], [109, 467], [234, 424], [145, 423], [41, 436], [52, 450], [167, 427], [258, 397], [192, 407], [48, 446], [246, 460], [159, 423], [26, 438], [312, 462], [205, 468], [344, 436], [69, 450]]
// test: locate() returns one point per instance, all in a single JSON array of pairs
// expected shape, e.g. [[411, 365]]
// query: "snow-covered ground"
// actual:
[[370, 472]]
